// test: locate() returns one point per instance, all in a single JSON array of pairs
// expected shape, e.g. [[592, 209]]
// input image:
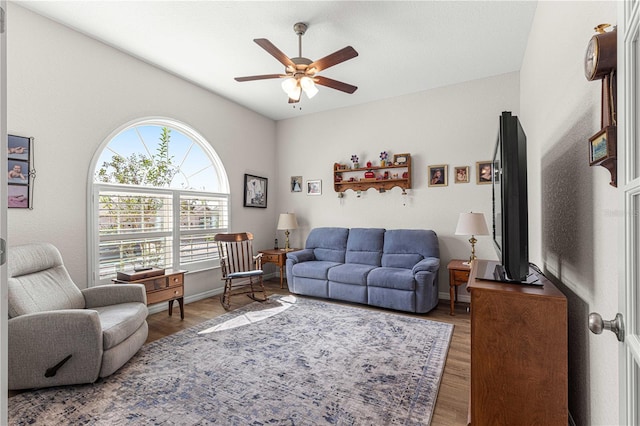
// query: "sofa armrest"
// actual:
[[429, 264], [39, 341], [113, 294], [301, 256]]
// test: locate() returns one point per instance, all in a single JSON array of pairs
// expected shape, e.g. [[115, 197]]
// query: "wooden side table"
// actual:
[[279, 257], [458, 275], [163, 288]]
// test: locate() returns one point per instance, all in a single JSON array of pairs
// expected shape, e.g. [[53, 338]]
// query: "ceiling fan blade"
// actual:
[[259, 77], [335, 84], [293, 101], [275, 52], [334, 59]]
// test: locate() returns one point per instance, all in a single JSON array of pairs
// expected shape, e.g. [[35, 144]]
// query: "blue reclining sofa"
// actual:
[[395, 269]]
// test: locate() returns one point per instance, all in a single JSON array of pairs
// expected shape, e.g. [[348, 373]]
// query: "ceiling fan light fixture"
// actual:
[[295, 93], [309, 86], [289, 85]]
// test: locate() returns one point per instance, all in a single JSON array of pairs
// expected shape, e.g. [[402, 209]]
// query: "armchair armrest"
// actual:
[[258, 260], [39, 341], [113, 294], [429, 264], [301, 255]]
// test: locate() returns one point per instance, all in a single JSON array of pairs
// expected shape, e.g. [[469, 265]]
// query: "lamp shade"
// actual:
[[472, 224], [287, 221]]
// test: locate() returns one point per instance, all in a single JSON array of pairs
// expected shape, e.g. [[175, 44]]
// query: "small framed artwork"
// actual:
[[461, 174], [602, 146], [314, 187], [400, 159], [20, 172], [296, 183], [255, 191], [484, 170], [438, 175]]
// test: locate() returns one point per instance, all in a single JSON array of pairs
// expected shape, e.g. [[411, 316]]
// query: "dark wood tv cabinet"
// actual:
[[518, 353]]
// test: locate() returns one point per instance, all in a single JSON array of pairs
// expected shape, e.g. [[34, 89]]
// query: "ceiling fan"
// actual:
[[301, 73]]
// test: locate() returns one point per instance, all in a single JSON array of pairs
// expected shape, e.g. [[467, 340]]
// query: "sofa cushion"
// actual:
[[403, 248], [317, 269], [328, 244], [364, 246], [350, 273], [120, 321], [396, 278]]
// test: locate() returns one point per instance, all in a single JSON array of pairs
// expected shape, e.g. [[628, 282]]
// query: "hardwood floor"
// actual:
[[453, 397]]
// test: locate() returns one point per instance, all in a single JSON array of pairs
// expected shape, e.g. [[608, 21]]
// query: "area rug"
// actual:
[[287, 361]]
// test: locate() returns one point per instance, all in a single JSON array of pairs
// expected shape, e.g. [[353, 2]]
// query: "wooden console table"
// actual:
[[519, 352], [163, 288], [279, 257]]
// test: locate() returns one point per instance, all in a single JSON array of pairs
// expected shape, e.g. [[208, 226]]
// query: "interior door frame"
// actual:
[[4, 394], [629, 183]]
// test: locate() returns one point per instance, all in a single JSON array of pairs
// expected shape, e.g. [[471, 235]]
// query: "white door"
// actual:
[[629, 185], [3, 213]]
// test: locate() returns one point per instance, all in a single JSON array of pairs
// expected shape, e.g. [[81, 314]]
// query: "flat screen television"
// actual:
[[510, 210]]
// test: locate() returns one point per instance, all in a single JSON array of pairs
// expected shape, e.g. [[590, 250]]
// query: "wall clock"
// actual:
[[600, 63]]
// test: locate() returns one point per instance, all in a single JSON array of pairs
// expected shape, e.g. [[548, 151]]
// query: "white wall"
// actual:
[[70, 92], [573, 224], [455, 125]]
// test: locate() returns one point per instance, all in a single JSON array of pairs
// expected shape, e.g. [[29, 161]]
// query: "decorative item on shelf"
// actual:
[[400, 159], [373, 176], [383, 158], [600, 63], [356, 161], [286, 222], [472, 224]]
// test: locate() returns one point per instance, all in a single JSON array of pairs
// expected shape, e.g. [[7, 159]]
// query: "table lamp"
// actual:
[[286, 222], [472, 224]]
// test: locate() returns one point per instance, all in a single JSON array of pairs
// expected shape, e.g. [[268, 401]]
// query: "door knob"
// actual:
[[597, 324]]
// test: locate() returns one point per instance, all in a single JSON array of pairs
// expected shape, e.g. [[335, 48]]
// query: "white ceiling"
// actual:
[[404, 46]]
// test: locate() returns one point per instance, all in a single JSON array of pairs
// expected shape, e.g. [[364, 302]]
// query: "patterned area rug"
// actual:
[[287, 361]]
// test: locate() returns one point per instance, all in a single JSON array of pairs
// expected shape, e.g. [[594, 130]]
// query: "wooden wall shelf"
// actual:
[[341, 177]]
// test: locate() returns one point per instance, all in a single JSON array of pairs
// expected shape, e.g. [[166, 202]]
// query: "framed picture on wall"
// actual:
[[20, 172], [438, 175], [296, 183], [255, 191], [461, 174], [314, 187], [484, 170]]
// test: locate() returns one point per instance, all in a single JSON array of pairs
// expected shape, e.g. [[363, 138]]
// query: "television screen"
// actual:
[[510, 209]]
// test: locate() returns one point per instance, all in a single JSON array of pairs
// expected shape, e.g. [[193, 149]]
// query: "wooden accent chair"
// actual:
[[240, 268]]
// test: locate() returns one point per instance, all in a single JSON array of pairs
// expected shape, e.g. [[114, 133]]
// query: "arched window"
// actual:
[[159, 195]]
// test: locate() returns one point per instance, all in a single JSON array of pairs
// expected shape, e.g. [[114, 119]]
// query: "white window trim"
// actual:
[[93, 188]]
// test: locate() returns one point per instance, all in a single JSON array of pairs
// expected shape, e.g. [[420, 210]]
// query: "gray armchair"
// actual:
[[61, 335]]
